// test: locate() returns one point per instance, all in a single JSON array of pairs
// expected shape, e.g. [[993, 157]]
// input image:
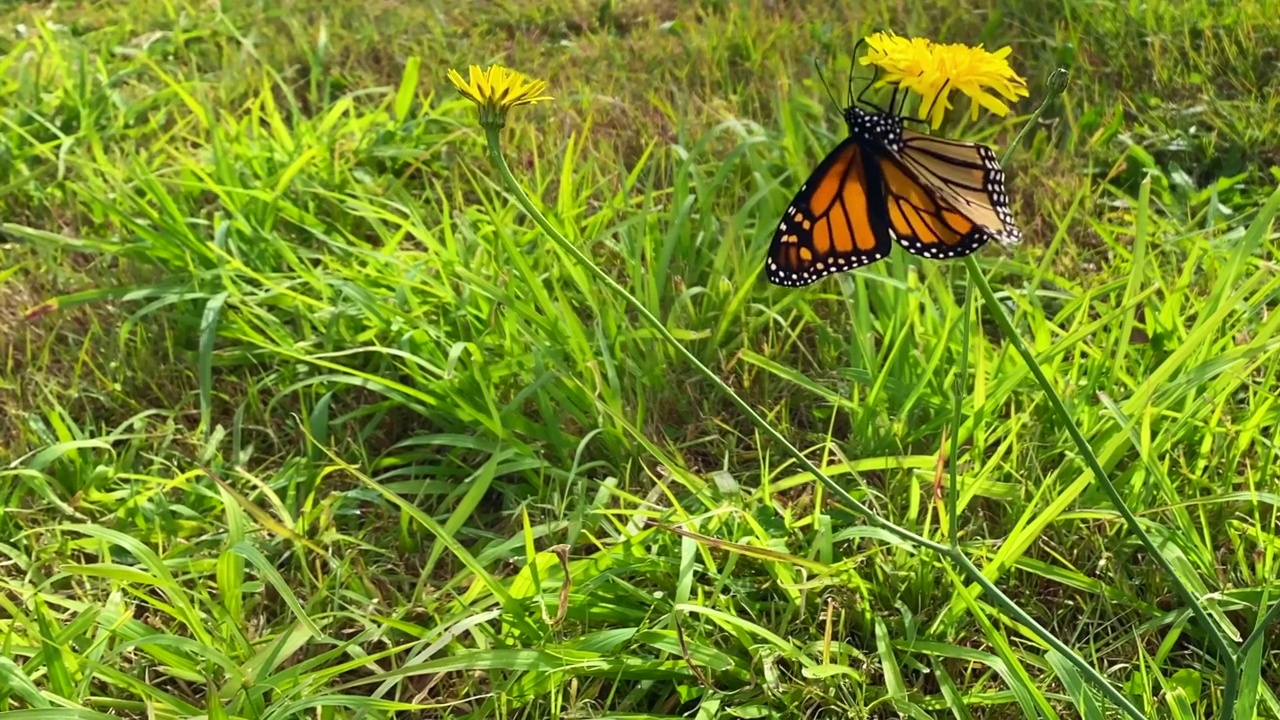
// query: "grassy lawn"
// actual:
[[302, 416]]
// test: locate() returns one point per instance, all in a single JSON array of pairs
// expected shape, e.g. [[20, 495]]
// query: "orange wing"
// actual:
[[835, 223]]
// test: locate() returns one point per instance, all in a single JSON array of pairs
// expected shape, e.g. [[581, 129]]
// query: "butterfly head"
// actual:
[[880, 128]]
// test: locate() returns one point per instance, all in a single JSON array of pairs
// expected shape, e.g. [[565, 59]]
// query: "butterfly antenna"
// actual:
[[818, 66], [853, 59], [941, 90]]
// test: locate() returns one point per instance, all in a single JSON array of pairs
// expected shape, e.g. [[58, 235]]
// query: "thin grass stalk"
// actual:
[[953, 485]]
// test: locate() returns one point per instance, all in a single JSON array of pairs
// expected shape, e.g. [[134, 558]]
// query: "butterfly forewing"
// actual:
[[835, 222]]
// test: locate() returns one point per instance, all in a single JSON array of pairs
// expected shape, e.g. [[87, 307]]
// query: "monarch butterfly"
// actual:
[[939, 198]]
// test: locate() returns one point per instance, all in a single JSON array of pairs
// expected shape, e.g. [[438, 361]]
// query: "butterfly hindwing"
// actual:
[[924, 222], [836, 222], [957, 190]]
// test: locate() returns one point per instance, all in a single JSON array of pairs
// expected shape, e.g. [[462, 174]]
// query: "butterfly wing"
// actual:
[[836, 222], [946, 198]]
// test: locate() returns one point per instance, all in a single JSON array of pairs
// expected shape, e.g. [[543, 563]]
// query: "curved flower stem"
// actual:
[[1232, 688], [1220, 642], [976, 278], [1228, 654], [951, 553]]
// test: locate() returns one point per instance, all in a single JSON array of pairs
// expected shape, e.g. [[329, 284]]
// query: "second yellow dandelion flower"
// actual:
[[496, 89]]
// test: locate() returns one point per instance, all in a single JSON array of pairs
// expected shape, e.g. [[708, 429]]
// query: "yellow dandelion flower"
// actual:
[[933, 71], [496, 89], [902, 58]]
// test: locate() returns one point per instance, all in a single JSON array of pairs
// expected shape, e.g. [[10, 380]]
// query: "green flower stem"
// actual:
[[1260, 628], [1232, 688], [1057, 83], [950, 553], [1008, 605], [1220, 642], [1091, 461]]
